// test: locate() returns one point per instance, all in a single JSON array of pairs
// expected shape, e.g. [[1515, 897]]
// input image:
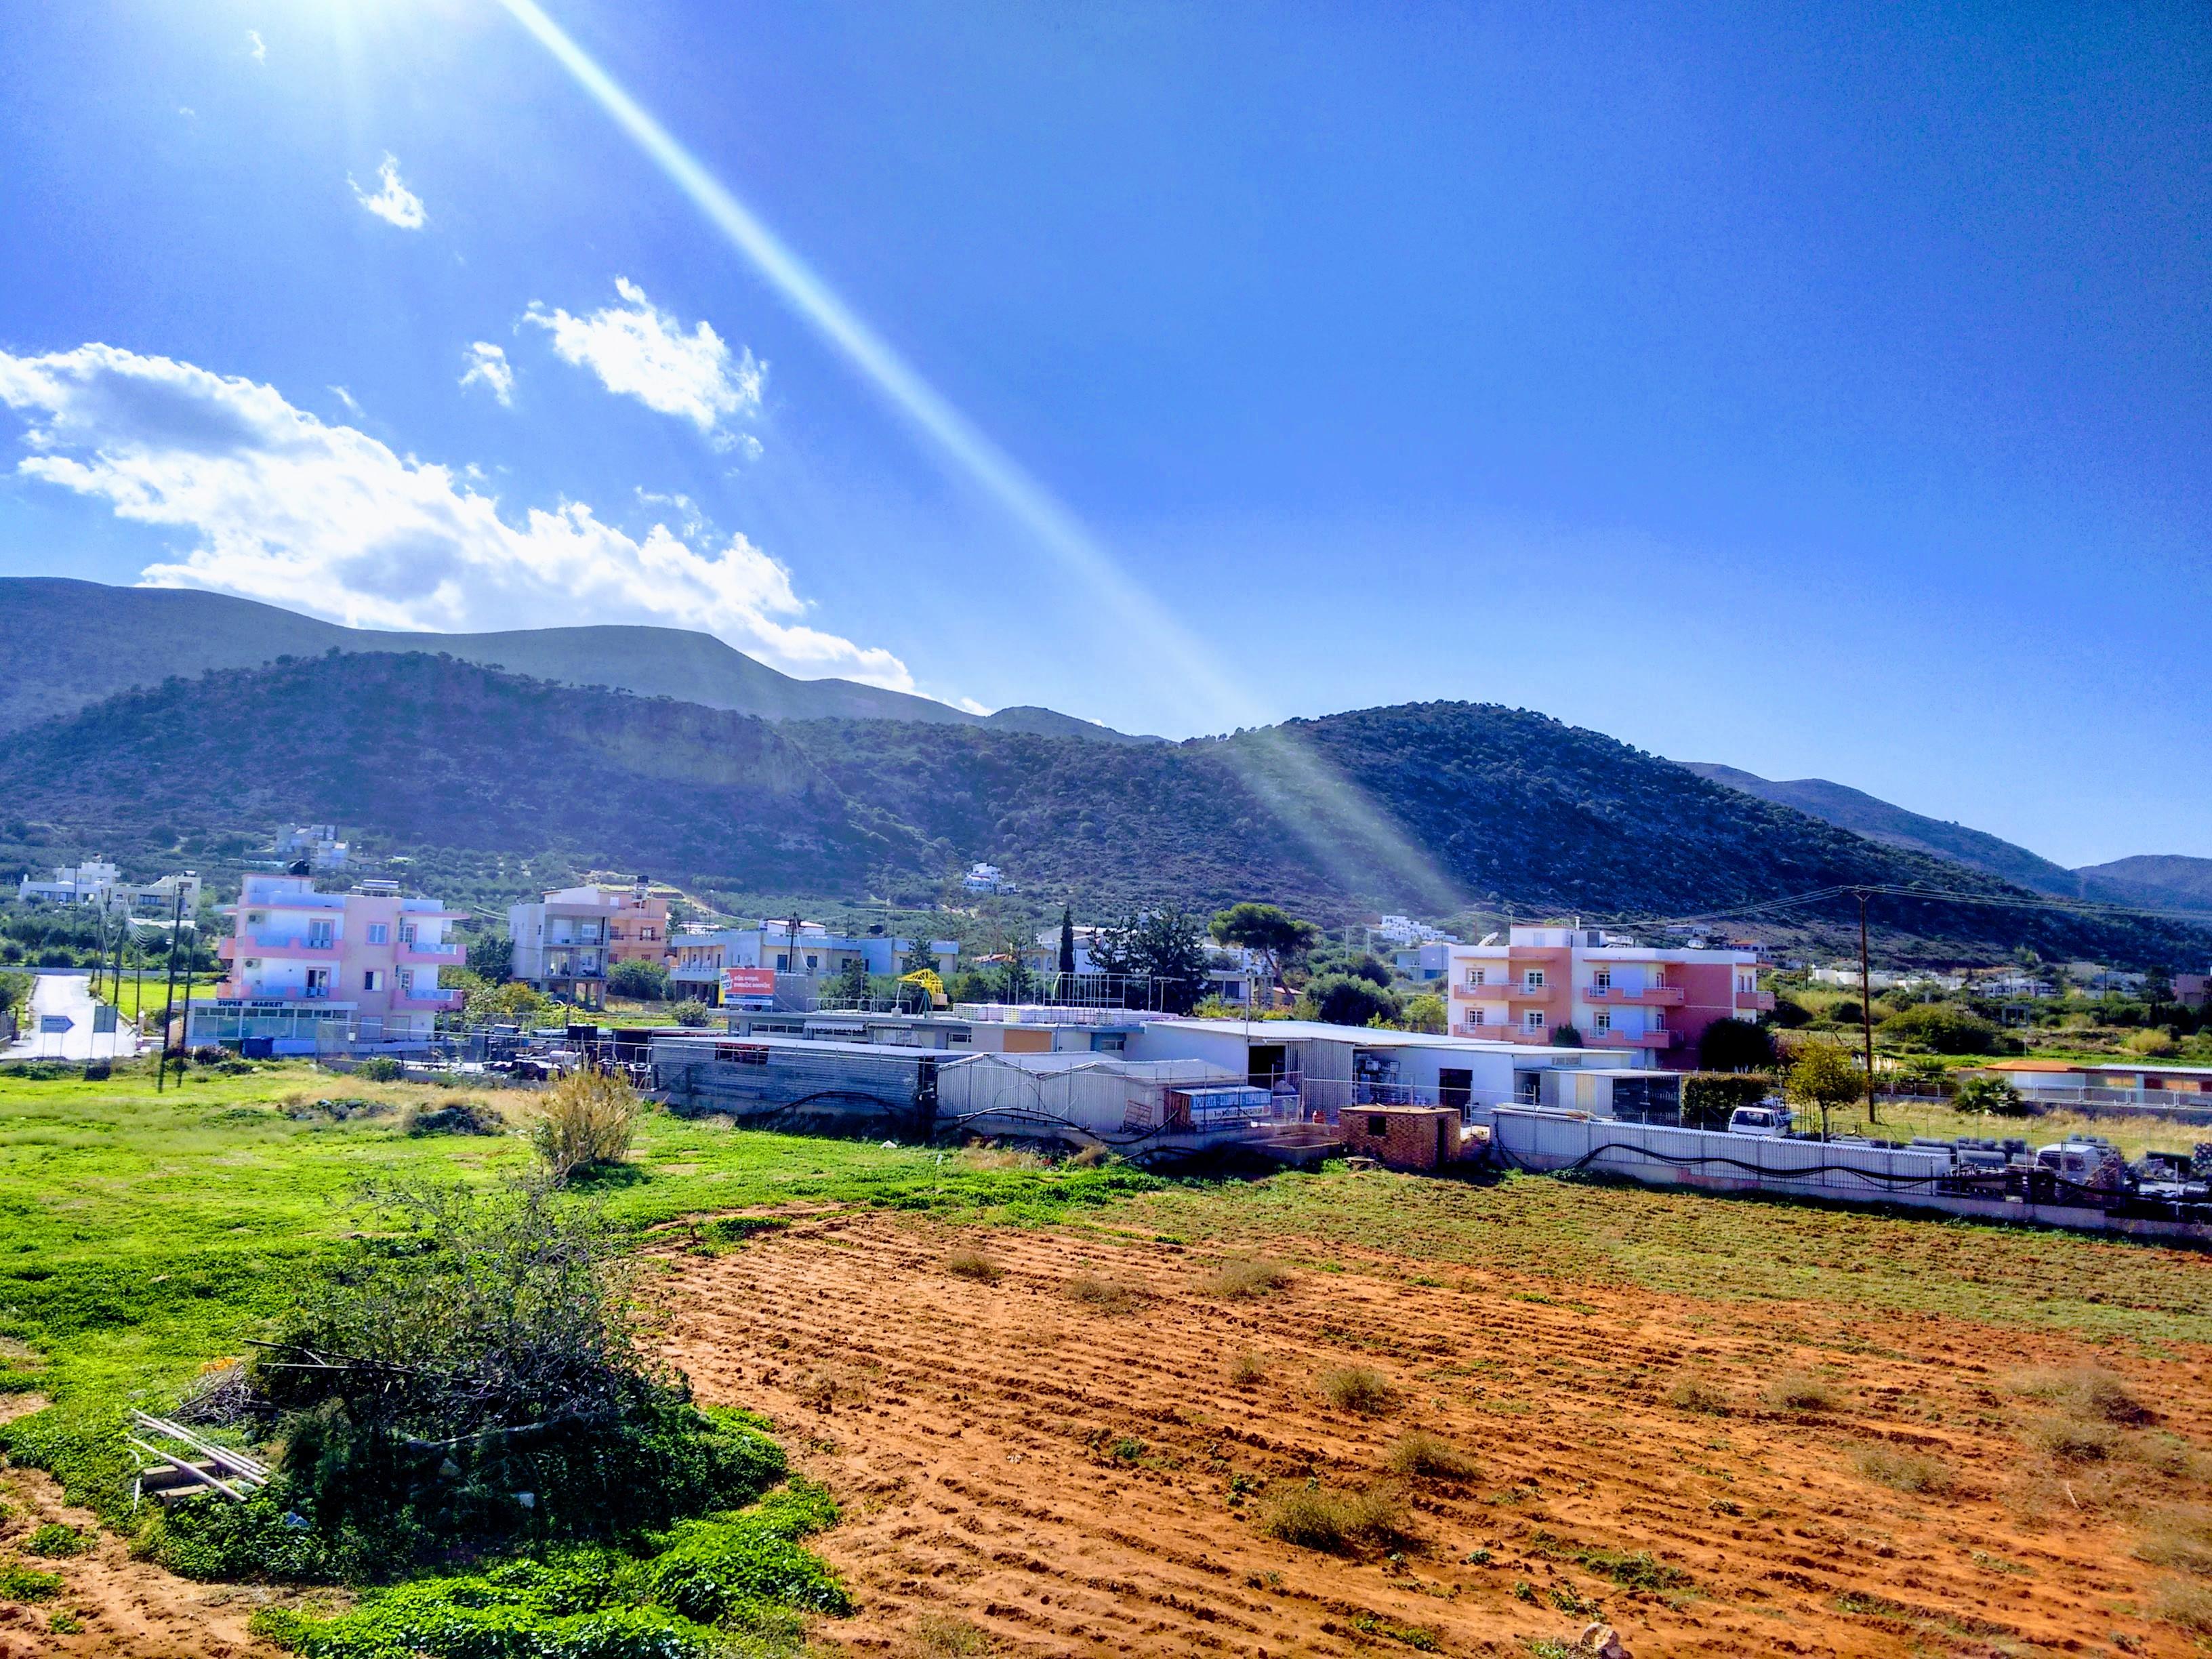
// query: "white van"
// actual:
[[1767, 1123]]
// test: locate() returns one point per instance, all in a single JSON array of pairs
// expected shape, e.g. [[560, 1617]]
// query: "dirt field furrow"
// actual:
[[1075, 1451]]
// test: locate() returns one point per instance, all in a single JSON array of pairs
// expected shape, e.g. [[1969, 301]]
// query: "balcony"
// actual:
[[441, 1000], [1522, 991], [1755, 1002], [443, 955], [291, 945], [1651, 996], [1630, 1039]]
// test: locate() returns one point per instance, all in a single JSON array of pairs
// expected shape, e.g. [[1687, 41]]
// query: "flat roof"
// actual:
[[2064, 1067], [1365, 1037]]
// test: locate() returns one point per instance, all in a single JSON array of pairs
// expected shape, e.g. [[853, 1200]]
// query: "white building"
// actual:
[[986, 878], [98, 882], [318, 843], [1404, 930], [811, 953]]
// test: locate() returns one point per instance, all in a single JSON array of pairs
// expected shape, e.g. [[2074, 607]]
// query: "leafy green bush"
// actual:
[[1941, 1027], [1994, 1095], [692, 1013], [647, 982], [1349, 1000], [737, 1571], [1734, 1045], [382, 1069], [469, 1383], [21, 1583]]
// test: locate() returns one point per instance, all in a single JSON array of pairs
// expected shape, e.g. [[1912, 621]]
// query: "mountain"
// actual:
[[2166, 880], [65, 644], [1865, 815], [1051, 723], [490, 782]]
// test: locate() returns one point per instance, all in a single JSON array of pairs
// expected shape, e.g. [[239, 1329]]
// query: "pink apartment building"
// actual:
[[1617, 994], [307, 970]]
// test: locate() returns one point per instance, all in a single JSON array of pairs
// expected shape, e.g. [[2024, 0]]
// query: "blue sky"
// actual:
[[1825, 394]]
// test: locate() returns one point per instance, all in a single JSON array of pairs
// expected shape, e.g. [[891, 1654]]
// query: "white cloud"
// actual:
[[488, 368], [256, 48], [352, 403], [641, 352], [393, 202], [325, 518]]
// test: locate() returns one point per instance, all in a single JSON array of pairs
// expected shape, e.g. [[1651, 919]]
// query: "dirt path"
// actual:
[[120, 1606], [1031, 1472]]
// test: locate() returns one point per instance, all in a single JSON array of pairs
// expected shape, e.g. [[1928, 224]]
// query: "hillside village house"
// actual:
[[811, 953], [1617, 994], [564, 944], [98, 882], [308, 971]]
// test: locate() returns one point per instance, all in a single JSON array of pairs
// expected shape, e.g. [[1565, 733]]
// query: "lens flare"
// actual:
[[1298, 783]]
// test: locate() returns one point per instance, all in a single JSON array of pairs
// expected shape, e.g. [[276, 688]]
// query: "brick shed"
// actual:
[[1402, 1137]]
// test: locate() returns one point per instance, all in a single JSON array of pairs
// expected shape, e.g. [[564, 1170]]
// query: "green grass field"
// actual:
[[147, 991], [144, 1234]]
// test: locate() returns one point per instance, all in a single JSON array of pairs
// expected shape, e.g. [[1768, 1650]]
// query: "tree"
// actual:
[[1277, 935], [1734, 1045], [647, 981], [1823, 1077], [692, 1013], [1566, 1036], [1159, 954], [586, 1118], [491, 955], [1423, 1011], [1990, 1095], [1350, 999], [850, 987], [1067, 943], [510, 1003]]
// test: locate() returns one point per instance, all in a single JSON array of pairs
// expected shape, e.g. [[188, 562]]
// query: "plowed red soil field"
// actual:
[[1071, 1444]]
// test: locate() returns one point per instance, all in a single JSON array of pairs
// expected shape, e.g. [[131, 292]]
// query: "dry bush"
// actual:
[[2084, 1392], [1906, 1471], [2178, 1537], [1801, 1391], [1003, 1157], [1245, 1277], [1247, 1370], [974, 1264], [1342, 1522], [2189, 1605], [1697, 1394], [1419, 1452], [585, 1118], [941, 1635], [1356, 1388], [1090, 1156], [1103, 1294], [2074, 1440]]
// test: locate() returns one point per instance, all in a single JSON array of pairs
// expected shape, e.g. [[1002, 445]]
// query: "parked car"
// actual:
[[1767, 1123]]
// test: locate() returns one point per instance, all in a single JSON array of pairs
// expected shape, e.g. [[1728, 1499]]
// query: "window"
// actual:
[[813, 963], [1747, 982], [1533, 980], [1479, 1017], [1604, 1020], [379, 932], [1603, 980], [1477, 976], [783, 962], [369, 979], [1377, 1125], [407, 932], [256, 918], [1533, 1020], [320, 933], [318, 981]]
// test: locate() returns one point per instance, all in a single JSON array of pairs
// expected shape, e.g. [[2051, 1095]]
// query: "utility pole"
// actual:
[[122, 937], [1866, 1005], [169, 1003]]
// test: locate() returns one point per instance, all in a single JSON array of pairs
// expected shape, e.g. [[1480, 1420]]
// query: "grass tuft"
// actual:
[[1242, 1278], [1247, 1370], [1697, 1394], [1338, 1521], [941, 1635], [1418, 1452], [2083, 1392], [53, 1540], [1106, 1295], [2189, 1605], [2073, 1439], [1801, 1391], [2180, 1536], [1356, 1388], [21, 1583], [1906, 1471], [974, 1265]]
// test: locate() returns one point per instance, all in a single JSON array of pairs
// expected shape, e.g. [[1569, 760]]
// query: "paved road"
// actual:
[[71, 995]]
